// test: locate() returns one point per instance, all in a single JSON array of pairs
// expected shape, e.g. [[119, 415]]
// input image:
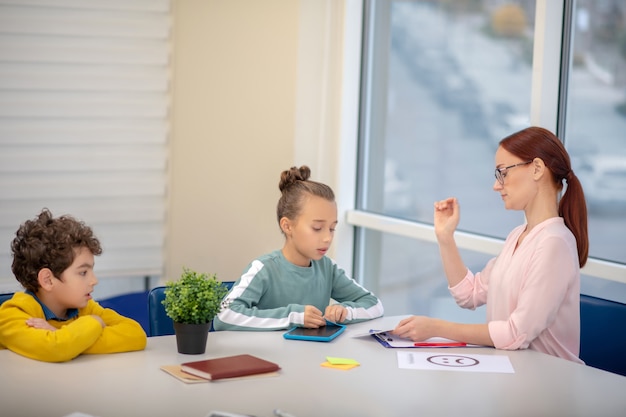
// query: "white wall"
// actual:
[[255, 91], [256, 88]]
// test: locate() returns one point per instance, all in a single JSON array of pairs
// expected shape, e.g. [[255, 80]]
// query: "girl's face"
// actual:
[[519, 185], [309, 235], [76, 283]]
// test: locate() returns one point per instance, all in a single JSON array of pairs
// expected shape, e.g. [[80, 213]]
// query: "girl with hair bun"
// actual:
[[294, 286]]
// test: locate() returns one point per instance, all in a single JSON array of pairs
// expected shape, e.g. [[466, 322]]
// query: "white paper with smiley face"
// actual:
[[428, 360], [452, 360]]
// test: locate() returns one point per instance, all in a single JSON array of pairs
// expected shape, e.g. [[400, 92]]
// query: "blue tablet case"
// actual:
[[321, 334]]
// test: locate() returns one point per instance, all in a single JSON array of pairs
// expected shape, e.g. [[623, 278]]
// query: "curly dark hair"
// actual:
[[47, 242]]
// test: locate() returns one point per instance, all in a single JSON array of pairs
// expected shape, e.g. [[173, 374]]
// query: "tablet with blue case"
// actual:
[[321, 334]]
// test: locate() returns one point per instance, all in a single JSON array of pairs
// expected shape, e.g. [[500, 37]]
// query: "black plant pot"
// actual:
[[191, 338]]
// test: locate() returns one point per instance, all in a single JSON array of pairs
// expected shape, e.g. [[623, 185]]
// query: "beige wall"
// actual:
[[235, 104]]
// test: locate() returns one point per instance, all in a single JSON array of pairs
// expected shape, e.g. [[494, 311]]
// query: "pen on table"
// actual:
[[439, 344], [281, 413]]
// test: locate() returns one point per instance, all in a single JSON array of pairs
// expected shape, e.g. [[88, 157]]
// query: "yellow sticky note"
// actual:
[[343, 367], [341, 361]]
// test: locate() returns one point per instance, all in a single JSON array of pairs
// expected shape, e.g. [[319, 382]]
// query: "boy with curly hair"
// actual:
[[55, 319]]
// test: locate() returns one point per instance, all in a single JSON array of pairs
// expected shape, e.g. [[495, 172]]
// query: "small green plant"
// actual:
[[194, 299]]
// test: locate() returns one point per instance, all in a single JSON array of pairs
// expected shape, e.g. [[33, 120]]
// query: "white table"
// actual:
[[131, 384]]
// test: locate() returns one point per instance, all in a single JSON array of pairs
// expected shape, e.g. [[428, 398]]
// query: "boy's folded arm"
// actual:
[[120, 334], [124, 336], [60, 345]]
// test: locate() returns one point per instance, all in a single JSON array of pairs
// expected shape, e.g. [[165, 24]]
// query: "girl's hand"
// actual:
[[313, 317], [336, 313], [38, 323]]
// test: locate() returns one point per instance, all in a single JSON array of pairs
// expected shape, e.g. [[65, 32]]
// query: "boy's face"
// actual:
[[77, 282], [312, 232]]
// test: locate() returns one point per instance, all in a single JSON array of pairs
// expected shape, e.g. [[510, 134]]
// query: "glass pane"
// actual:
[[596, 121], [443, 83], [408, 277], [446, 82]]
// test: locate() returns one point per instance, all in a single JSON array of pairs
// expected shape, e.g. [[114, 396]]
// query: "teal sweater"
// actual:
[[272, 292]]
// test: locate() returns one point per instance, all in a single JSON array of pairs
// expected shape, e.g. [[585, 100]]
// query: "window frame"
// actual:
[[551, 57]]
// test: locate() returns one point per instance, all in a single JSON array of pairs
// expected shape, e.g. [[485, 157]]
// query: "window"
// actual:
[[595, 125], [84, 99], [442, 83]]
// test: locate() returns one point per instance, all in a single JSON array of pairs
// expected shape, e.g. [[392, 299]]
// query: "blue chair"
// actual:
[[5, 296], [160, 323], [602, 335], [133, 305]]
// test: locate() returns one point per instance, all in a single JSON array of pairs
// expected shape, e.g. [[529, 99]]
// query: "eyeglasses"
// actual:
[[501, 172]]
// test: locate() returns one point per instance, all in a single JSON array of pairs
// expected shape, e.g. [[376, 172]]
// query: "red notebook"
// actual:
[[229, 367]]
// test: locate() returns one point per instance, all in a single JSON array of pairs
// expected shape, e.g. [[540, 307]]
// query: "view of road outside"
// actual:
[[596, 130], [458, 80], [596, 121]]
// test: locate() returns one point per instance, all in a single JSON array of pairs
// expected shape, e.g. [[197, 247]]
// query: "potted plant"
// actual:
[[192, 302]]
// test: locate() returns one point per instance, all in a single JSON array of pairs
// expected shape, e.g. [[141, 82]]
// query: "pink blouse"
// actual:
[[532, 292]]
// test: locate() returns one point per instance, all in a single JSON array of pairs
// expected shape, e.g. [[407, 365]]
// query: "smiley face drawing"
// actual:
[[455, 361]]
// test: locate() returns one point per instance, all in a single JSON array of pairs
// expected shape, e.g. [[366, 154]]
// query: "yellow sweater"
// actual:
[[81, 334]]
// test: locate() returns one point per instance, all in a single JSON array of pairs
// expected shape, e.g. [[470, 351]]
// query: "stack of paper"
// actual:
[[389, 340]]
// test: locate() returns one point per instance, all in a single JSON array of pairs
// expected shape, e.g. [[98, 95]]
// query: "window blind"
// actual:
[[84, 100]]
